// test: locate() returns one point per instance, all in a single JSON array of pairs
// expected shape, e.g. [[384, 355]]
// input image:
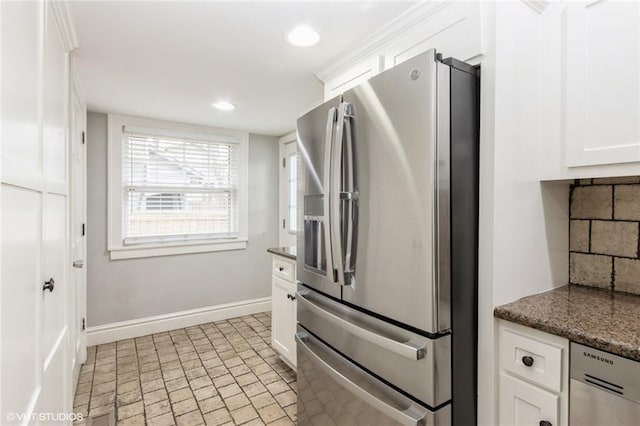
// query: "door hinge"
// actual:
[[83, 324], [284, 162], [284, 226], [83, 229], [83, 141]]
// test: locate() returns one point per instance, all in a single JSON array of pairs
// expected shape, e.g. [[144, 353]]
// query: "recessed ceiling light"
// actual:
[[223, 105], [303, 36]]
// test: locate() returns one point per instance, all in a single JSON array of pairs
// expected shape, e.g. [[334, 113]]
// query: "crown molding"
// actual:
[[538, 6], [64, 20], [373, 44]]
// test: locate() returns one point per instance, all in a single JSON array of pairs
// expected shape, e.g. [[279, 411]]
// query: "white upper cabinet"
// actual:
[[353, 76], [602, 82], [453, 28]]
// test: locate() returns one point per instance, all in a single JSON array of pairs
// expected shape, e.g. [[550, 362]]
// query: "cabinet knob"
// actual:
[[545, 423], [48, 285], [528, 361], [280, 268]]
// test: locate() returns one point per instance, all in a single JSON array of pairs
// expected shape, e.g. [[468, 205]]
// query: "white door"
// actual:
[[523, 404], [21, 204], [78, 279], [288, 191], [34, 375]]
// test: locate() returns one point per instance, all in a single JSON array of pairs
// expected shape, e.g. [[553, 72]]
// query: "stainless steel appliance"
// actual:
[[387, 255], [604, 388]]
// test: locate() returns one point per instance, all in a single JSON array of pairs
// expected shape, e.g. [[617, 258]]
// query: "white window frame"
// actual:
[[117, 250]]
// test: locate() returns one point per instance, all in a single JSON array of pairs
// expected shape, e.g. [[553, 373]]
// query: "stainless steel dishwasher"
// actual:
[[604, 388]]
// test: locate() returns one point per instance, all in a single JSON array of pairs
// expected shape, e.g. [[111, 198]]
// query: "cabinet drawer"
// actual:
[[284, 270], [537, 361]]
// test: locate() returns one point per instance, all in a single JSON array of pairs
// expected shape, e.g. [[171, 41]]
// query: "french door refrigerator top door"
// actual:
[[316, 136], [374, 185], [399, 122]]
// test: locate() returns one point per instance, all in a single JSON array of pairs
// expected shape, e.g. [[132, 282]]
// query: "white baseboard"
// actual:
[[157, 324]]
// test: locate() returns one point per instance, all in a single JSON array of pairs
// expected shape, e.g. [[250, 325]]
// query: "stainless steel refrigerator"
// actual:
[[387, 252]]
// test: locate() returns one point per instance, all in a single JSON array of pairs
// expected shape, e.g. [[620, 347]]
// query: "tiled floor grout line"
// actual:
[[164, 383], [93, 375]]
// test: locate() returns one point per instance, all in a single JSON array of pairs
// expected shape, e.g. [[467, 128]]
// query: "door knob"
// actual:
[[78, 263], [48, 285], [528, 361]]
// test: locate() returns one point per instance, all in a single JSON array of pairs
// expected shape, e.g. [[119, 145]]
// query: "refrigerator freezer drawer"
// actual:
[[416, 364], [334, 391]]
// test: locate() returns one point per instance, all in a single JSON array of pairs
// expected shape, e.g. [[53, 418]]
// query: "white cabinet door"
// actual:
[[453, 29], [602, 82], [291, 329], [283, 319], [523, 404], [353, 76]]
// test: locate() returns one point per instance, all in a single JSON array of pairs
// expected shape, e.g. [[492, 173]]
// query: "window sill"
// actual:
[[170, 249]]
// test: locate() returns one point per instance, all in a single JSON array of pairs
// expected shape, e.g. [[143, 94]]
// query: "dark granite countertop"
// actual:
[[602, 319], [289, 252]]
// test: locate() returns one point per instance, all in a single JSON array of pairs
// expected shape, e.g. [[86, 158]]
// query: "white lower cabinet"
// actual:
[[533, 377], [523, 404], [283, 312]]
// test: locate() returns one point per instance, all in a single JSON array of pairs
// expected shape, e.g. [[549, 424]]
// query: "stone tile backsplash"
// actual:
[[604, 233]]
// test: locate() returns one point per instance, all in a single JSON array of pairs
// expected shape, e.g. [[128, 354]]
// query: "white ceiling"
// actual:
[[171, 60]]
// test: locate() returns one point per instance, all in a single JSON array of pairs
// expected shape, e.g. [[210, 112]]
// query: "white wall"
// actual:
[[136, 288], [523, 247]]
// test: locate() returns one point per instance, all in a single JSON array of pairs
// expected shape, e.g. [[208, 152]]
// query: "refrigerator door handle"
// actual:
[[345, 113], [410, 416], [328, 153], [350, 196], [407, 349]]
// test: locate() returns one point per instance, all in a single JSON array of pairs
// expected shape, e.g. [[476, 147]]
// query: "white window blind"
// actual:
[[177, 189]]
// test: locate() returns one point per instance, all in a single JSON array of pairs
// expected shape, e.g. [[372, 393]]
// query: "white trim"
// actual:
[[116, 124], [65, 24], [153, 250], [159, 323], [373, 45]]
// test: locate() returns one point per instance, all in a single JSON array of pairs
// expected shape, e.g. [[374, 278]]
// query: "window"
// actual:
[[288, 190], [292, 192], [180, 189]]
